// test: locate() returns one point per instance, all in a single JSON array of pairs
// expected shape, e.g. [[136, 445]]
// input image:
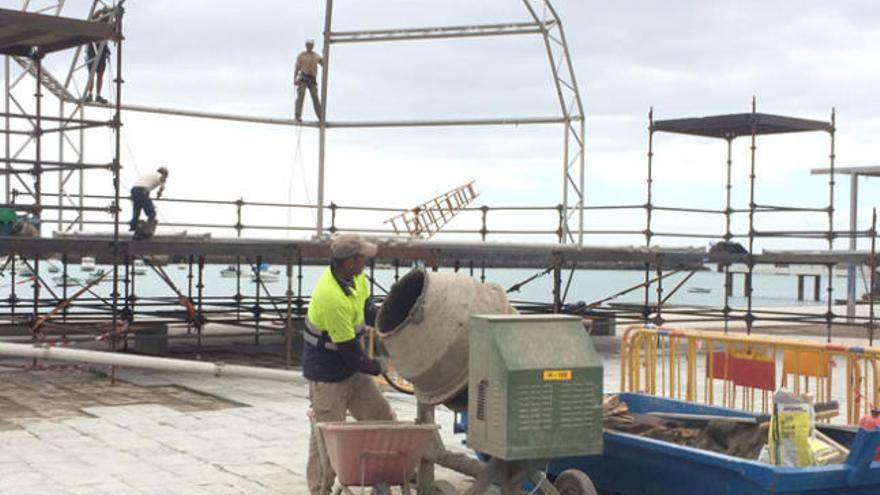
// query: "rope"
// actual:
[[298, 162]]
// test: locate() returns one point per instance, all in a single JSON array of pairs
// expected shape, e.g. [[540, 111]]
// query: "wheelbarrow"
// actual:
[[377, 454]]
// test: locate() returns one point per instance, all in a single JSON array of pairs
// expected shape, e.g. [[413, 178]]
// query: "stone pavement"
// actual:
[[165, 433]]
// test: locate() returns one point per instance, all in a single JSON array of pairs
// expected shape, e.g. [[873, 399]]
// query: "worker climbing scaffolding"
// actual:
[[305, 76]]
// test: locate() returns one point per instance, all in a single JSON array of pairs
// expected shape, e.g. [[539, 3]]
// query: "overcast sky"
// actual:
[[684, 58]]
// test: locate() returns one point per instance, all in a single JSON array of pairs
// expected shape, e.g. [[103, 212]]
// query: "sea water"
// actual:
[[586, 285]]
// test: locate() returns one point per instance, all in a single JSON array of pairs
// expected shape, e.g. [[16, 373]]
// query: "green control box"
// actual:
[[534, 388]]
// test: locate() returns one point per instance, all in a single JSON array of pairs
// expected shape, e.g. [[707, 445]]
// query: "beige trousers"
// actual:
[[300, 96], [357, 394]]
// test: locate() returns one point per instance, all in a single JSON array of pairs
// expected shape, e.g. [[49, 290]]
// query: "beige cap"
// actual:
[[347, 245]]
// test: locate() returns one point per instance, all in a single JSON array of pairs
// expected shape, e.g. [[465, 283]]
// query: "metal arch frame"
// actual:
[[571, 106], [548, 24]]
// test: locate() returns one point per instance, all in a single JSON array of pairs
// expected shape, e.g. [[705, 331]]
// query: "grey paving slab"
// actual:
[[258, 445]]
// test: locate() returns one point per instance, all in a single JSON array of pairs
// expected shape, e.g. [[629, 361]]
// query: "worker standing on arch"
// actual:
[[305, 76]]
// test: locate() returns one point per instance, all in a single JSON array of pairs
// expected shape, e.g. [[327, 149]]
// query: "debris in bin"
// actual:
[[724, 436]]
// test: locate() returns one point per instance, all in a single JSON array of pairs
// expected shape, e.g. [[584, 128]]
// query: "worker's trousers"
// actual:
[[312, 86], [140, 200], [357, 394]]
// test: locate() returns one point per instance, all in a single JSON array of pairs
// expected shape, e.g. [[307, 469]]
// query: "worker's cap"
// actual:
[[347, 245], [310, 41], [163, 171]]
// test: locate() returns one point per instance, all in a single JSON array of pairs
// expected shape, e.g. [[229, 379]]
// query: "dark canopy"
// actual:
[[22, 31], [739, 124]]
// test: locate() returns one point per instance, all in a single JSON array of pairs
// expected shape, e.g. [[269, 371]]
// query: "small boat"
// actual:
[[140, 268], [699, 290], [66, 281], [54, 269], [25, 272], [229, 272], [181, 266], [87, 264]]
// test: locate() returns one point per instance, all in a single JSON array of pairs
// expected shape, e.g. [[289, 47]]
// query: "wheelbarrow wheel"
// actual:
[[574, 482], [381, 489]]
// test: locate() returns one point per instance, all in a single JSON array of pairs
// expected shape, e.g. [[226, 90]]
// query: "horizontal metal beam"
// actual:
[[494, 254], [453, 122], [206, 115], [34, 208], [864, 171], [439, 32], [440, 253], [52, 168], [57, 163], [497, 121], [347, 125], [49, 118]]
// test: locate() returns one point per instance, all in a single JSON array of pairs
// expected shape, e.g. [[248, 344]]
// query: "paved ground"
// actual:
[[69, 431]]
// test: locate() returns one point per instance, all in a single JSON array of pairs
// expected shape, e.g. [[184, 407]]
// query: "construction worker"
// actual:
[[340, 374], [97, 55], [305, 76], [140, 195]]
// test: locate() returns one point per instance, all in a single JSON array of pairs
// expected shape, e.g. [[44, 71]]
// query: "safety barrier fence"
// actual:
[[742, 371]]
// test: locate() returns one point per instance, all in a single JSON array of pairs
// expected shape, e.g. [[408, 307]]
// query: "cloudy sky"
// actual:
[[684, 58]]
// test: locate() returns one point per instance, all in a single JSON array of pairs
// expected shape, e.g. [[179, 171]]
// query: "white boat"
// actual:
[[54, 269], [229, 272], [66, 281], [25, 272], [181, 266], [699, 290], [87, 264], [140, 268]]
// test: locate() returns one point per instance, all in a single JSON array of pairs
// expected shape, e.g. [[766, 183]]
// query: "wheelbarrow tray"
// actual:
[[370, 452], [634, 465]]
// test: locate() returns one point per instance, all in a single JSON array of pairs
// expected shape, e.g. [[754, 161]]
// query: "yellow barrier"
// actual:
[[742, 371]]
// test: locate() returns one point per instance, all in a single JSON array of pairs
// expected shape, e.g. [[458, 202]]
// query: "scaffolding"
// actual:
[[26, 38], [259, 311]]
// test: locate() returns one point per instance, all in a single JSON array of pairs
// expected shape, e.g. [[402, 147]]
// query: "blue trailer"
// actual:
[[635, 465]]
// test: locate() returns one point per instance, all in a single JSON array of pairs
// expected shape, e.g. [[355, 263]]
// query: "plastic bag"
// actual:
[[791, 437]]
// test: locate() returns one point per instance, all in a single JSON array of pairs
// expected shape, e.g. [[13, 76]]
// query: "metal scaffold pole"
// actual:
[[829, 315], [7, 136], [322, 119], [117, 146], [751, 264]]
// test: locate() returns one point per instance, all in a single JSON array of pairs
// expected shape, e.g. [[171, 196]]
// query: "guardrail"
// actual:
[[742, 371]]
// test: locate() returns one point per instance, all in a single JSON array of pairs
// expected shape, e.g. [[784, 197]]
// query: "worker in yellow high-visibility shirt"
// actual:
[[333, 360]]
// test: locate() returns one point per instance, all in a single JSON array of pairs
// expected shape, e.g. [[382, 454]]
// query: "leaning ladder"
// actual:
[[428, 218]]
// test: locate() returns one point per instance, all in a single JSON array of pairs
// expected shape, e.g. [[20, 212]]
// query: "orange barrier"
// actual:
[[742, 371]]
